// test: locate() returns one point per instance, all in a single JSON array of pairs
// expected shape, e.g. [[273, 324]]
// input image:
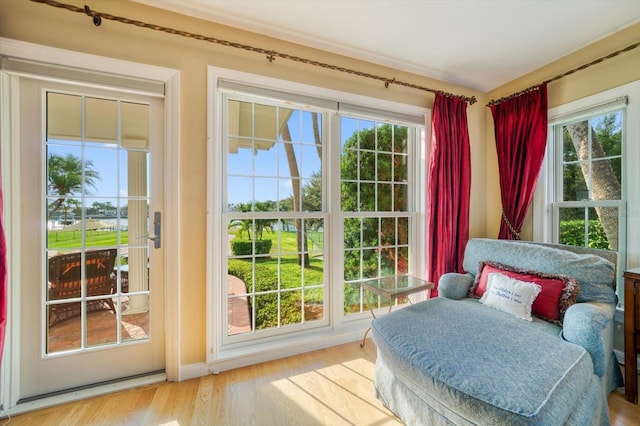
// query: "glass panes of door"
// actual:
[[374, 180], [275, 217], [96, 205]]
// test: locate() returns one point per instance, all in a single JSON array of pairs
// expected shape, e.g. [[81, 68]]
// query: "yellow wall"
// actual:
[[622, 69], [46, 25]]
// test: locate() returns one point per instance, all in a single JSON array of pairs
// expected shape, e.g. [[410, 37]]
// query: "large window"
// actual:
[[315, 197], [586, 196]]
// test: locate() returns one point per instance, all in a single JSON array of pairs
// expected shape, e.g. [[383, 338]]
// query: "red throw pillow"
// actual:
[[558, 291]]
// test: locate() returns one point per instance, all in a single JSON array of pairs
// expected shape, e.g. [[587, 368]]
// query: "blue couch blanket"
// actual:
[[534, 377]]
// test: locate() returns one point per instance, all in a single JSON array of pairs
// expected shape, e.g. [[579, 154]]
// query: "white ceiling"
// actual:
[[480, 44]]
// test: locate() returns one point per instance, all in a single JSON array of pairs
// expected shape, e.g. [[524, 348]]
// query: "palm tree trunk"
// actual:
[[294, 172], [56, 205], [316, 134]]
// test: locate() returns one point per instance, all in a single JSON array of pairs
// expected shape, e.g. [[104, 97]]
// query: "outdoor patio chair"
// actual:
[[65, 282]]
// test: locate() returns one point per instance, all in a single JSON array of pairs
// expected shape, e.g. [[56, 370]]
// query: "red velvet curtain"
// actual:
[[3, 276], [449, 188], [521, 138]]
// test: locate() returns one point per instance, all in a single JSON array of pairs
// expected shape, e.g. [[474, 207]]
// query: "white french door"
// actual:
[[91, 254]]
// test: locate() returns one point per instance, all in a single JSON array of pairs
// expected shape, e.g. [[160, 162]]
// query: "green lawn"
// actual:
[[288, 243], [72, 239], [290, 271]]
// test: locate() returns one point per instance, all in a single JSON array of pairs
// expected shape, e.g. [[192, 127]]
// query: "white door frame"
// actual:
[[9, 134]]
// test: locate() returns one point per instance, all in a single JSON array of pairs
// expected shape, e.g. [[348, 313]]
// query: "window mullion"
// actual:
[[590, 159]]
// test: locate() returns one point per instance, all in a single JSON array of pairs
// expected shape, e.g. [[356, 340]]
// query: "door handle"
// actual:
[[157, 222]]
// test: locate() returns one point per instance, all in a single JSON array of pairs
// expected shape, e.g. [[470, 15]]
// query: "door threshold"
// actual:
[[83, 392]]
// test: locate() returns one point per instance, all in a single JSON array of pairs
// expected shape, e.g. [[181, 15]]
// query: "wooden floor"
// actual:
[[333, 386]]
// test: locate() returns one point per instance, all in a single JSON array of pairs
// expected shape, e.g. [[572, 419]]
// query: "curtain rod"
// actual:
[[564, 74], [271, 54]]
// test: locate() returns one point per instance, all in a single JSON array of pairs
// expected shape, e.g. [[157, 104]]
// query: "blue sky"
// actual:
[[104, 157], [271, 166]]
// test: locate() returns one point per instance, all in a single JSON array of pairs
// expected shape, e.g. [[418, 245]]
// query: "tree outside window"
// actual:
[[591, 173], [65, 178]]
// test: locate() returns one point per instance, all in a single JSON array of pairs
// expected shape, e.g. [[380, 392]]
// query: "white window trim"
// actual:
[[542, 214], [338, 331]]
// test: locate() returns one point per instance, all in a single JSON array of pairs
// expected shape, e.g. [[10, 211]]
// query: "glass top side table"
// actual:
[[392, 288]]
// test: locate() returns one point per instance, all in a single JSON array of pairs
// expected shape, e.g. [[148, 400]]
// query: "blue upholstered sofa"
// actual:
[[454, 360]]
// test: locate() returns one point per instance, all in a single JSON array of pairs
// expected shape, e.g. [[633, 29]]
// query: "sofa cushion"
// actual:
[[558, 291], [466, 352], [595, 274], [510, 295]]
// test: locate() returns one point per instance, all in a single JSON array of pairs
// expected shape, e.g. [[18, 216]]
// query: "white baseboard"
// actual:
[[236, 359], [191, 371]]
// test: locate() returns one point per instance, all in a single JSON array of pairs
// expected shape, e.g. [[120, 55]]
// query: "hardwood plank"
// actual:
[[623, 412], [156, 412], [203, 413], [333, 386]]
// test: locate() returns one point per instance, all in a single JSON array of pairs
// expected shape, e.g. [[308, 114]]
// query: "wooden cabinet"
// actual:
[[631, 332]]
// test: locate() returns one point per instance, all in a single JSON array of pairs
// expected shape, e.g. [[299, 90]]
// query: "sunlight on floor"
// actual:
[[315, 393]]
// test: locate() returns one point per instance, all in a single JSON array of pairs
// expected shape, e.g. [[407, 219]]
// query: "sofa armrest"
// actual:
[[588, 324], [455, 286]]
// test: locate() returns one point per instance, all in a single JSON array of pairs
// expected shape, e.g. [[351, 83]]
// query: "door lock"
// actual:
[[157, 241]]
